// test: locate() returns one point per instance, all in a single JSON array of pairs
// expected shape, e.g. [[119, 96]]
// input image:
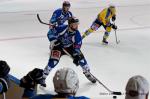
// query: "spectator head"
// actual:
[[137, 88], [66, 81]]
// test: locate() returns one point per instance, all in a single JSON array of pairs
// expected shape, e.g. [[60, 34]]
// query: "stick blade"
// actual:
[[116, 93], [118, 42]]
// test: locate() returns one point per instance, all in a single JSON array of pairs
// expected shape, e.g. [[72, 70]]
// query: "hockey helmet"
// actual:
[[112, 9], [73, 20], [66, 81]]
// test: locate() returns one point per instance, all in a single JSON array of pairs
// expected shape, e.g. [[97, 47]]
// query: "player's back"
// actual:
[[104, 15]]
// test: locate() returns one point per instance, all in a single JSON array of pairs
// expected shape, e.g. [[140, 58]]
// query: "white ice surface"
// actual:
[[24, 45]]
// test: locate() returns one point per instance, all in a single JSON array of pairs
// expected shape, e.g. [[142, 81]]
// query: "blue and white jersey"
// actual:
[[66, 38], [48, 96], [59, 17]]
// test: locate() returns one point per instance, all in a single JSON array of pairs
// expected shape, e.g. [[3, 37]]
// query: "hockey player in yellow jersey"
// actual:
[[103, 19]]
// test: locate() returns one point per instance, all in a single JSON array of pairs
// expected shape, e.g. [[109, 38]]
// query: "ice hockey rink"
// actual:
[[24, 44]]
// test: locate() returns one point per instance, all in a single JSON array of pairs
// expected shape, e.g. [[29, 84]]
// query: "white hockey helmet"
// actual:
[[137, 88], [66, 81]]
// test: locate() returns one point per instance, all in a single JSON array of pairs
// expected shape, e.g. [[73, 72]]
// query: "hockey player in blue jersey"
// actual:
[[61, 15], [66, 40], [66, 84]]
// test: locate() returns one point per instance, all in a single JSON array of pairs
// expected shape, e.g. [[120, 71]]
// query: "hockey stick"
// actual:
[[38, 17], [112, 92], [117, 41]]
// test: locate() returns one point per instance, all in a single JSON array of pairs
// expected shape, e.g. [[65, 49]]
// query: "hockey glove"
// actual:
[[33, 78], [114, 18], [52, 26], [54, 43], [77, 56], [4, 84], [57, 42], [114, 26], [4, 69]]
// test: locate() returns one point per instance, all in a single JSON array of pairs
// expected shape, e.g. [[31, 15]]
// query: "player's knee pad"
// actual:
[[54, 58], [55, 54]]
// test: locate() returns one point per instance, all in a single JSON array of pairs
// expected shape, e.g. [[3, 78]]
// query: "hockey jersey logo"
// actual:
[[66, 39], [62, 19]]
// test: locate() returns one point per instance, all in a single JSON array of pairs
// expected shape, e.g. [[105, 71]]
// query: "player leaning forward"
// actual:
[[66, 40], [103, 19]]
